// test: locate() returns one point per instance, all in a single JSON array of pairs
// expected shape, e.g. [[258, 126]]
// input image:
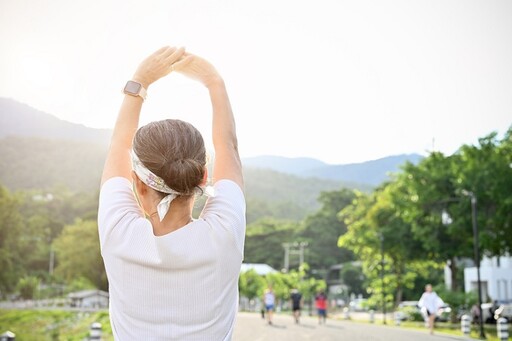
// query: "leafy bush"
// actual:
[[27, 287]]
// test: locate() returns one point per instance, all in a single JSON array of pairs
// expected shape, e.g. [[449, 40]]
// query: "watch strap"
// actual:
[[141, 92]]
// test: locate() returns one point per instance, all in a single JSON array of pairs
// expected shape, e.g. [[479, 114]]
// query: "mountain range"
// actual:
[[369, 173], [40, 152], [17, 119]]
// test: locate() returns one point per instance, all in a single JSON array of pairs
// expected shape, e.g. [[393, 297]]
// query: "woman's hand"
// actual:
[[157, 65], [197, 68]]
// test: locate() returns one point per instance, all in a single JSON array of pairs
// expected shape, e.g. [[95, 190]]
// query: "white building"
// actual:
[[260, 268], [95, 299], [495, 278]]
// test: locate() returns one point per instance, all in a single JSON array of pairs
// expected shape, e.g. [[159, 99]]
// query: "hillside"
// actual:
[[39, 151], [297, 166], [43, 164], [37, 163], [17, 119], [363, 176], [370, 172]]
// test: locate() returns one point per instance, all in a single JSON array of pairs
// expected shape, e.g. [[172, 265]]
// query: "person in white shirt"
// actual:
[[430, 302], [269, 299], [172, 277]]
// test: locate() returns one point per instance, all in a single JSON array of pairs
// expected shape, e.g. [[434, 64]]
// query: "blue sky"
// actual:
[[340, 81]]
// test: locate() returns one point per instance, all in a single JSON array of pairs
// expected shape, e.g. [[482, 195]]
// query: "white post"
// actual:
[[346, 313], [465, 325], [8, 336], [398, 320], [95, 332], [372, 316], [502, 329]]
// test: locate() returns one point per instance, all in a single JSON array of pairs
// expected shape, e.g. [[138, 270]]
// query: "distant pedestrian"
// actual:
[[475, 313], [321, 306], [269, 299], [430, 302], [493, 308], [296, 298]]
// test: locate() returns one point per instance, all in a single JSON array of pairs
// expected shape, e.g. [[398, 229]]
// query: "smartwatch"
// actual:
[[133, 88]]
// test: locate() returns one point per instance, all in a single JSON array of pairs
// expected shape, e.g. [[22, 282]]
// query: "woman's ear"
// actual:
[[140, 187], [205, 177]]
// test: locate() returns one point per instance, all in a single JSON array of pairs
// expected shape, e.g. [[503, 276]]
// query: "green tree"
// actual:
[[264, 239], [27, 287], [10, 233], [251, 285], [354, 278], [323, 228], [381, 238], [486, 170], [78, 254], [431, 189]]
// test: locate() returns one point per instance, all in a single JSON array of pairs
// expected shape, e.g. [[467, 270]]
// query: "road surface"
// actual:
[[251, 327]]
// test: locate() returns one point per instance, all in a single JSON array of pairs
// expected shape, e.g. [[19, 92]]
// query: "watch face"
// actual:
[[132, 88]]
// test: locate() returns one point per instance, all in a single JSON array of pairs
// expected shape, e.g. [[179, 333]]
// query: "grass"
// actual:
[[60, 325], [442, 328], [53, 325], [455, 329]]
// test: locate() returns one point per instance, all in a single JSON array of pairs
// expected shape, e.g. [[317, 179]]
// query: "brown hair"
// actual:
[[174, 150]]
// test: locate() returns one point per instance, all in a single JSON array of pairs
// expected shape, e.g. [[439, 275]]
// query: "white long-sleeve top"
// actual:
[[180, 286], [431, 301]]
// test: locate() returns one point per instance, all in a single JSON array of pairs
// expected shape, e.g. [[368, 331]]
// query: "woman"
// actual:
[[321, 306], [430, 303], [269, 298], [172, 277]]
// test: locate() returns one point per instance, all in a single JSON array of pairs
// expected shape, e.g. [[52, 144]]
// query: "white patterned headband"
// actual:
[[158, 184], [155, 182], [149, 178]]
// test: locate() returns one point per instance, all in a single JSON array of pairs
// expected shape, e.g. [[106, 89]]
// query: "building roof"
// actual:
[[260, 268], [87, 293]]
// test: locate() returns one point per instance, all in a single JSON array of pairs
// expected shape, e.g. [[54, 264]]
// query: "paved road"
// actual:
[[251, 327]]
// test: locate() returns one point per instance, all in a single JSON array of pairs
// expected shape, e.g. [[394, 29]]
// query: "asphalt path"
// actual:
[[251, 327]]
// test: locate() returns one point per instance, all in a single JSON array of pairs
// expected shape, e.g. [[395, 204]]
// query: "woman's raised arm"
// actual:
[[154, 67], [227, 160]]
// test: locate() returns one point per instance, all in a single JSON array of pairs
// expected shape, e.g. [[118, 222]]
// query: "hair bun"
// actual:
[[183, 175], [173, 150]]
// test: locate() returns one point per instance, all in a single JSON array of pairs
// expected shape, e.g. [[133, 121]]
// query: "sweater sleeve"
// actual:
[[117, 206], [226, 209]]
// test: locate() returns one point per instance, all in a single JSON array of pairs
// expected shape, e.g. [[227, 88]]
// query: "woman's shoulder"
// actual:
[[227, 184]]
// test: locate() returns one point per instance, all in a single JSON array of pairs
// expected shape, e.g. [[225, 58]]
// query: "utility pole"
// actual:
[[295, 248], [476, 250], [286, 256], [382, 278]]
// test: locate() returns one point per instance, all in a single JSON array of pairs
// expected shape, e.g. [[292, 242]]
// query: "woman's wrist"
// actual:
[[215, 83], [144, 82]]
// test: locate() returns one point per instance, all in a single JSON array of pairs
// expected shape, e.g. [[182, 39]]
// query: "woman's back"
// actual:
[[182, 285], [172, 277]]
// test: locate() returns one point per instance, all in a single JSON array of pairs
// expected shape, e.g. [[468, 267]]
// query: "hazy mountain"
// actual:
[[28, 163], [20, 120], [366, 174], [297, 166], [370, 172], [17, 119], [40, 152]]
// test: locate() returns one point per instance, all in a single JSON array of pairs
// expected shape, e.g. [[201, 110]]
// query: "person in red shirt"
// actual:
[[321, 306]]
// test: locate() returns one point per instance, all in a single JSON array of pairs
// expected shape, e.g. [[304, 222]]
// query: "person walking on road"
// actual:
[[269, 299], [430, 302], [321, 306], [296, 298]]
